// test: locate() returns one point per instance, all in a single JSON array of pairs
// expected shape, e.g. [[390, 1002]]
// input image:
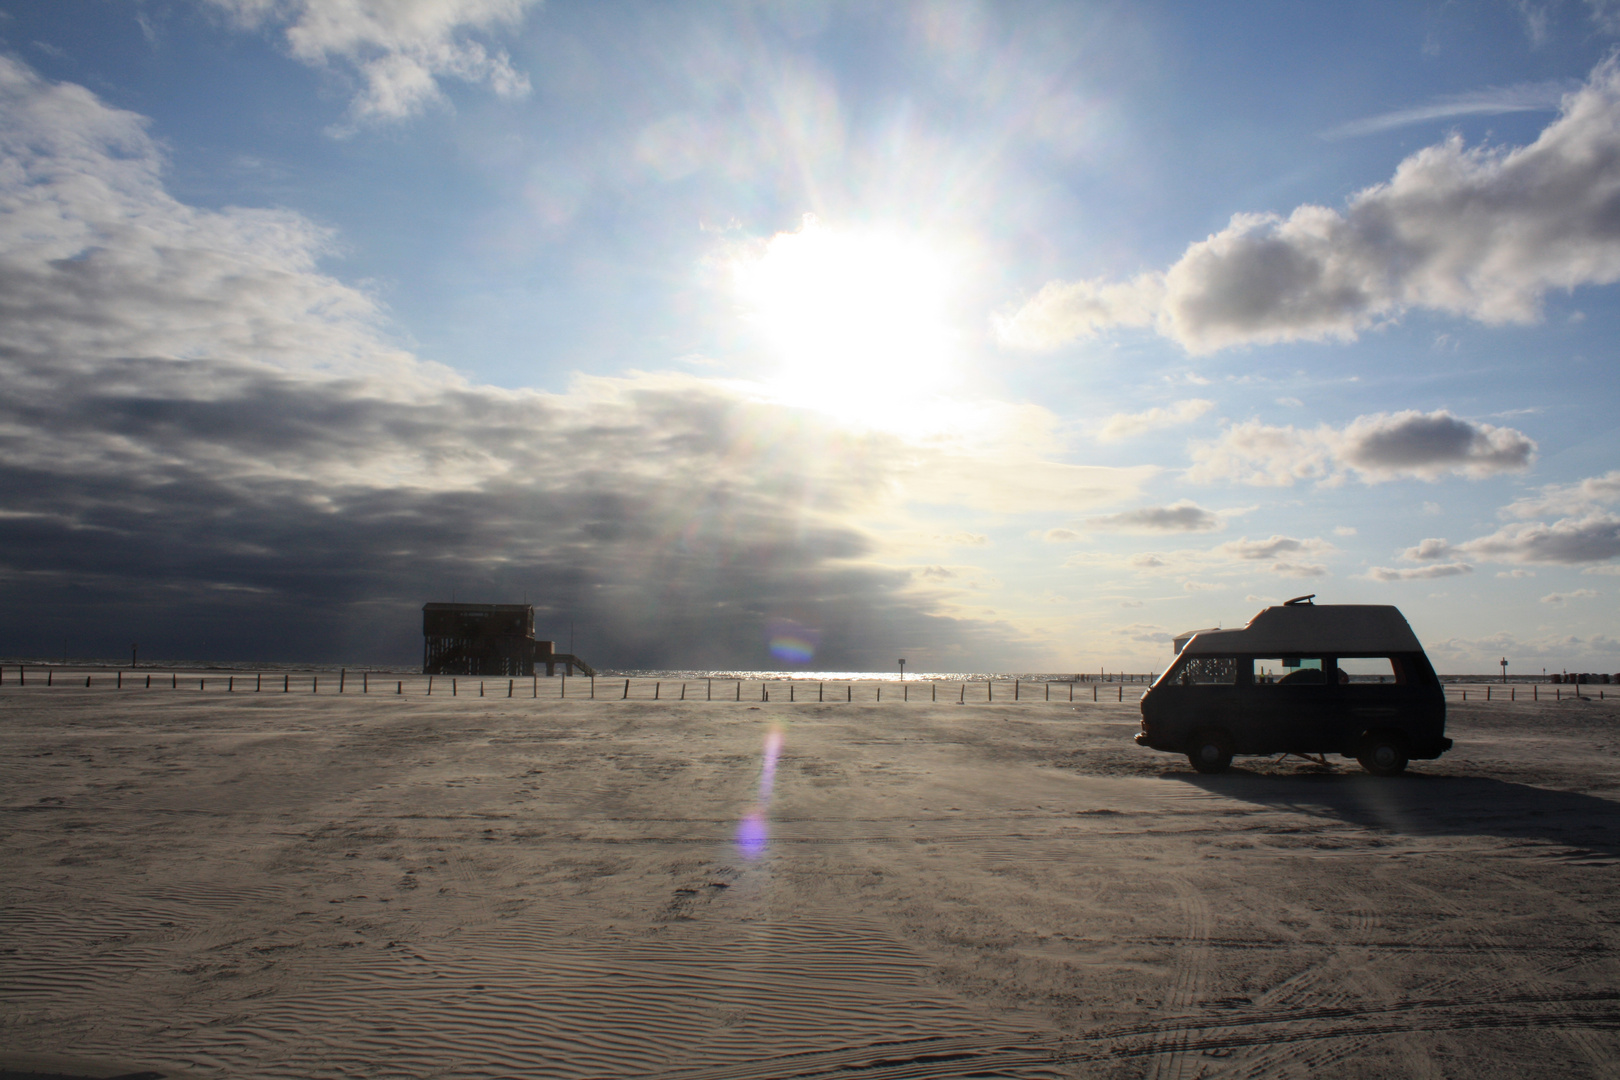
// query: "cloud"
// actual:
[[1558, 599], [1126, 425], [1183, 516], [1061, 536], [399, 48], [1479, 232], [1495, 101], [1567, 541], [1282, 550], [1419, 573], [1569, 499], [1373, 449], [1515, 573], [1431, 445], [209, 446], [1065, 311], [1427, 551]]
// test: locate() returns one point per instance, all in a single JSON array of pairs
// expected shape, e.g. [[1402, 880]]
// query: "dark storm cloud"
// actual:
[[206, 445]]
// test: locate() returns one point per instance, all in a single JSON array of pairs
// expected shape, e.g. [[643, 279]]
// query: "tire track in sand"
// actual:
[[1171, 1060]]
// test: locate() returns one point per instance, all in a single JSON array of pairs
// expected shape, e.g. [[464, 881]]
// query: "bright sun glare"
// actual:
[[857, 320]]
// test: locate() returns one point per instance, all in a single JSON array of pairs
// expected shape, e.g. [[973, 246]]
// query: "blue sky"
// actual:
[[997, 336]]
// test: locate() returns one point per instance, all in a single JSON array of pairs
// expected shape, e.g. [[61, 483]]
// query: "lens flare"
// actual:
[[792, 643], [753, 832]]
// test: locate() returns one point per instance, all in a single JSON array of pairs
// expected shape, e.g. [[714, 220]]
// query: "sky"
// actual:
[[1000, 337]]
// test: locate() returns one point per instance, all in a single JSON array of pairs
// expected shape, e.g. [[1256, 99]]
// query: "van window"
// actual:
[[1288, 670], [1208, 671], [1371, 669]]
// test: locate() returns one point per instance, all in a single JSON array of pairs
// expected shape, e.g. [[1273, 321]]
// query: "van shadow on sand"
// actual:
[[1424, 805]]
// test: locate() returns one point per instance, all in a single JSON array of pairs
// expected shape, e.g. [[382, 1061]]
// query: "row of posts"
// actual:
[[511, 686], [658, 687]]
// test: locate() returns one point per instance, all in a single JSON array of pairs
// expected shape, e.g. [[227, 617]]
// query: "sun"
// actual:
[[856, 321]]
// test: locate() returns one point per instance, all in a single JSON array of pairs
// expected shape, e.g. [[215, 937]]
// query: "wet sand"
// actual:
[[310, 886]]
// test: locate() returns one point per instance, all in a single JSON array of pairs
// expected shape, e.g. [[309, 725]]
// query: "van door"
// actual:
[[1292, 705]]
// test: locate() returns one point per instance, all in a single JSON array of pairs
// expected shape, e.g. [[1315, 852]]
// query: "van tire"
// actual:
[[1383, 753], [1210, 751]]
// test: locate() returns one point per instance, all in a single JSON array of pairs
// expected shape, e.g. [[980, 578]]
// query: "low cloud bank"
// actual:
[[1480, 232], [208, 446]]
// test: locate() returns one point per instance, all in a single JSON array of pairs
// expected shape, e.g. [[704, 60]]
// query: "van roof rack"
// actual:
[[1300, 600]]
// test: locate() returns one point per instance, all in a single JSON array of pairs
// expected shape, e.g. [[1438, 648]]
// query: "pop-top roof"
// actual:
[[1335, 629]]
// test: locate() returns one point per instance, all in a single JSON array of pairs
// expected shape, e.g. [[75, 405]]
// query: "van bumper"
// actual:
[[1433, 750]]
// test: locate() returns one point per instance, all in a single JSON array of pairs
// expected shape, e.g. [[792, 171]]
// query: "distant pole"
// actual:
[[134, 654], [1503, 662], [902, 670]]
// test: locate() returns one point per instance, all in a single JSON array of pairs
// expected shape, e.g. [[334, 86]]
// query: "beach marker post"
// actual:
[[400, 688], [683, 689], [511, 684], [935, 687], [315, 684], [658, 689], [49, 673], [258, 682], [1121, 691], [87, 682], [452, 688], [593, 687], [990, 689], [626, 690], [365, 682], [230, 685], [343, 677], [849, 692], [120, 680], [739, 689], [480, 687], [711, 688], [286, 683], [174, 681], [430, 686], [149, 682], [563, 681]]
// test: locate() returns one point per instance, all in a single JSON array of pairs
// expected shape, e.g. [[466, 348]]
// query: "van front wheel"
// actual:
[[1210, 751], [1383, 755]]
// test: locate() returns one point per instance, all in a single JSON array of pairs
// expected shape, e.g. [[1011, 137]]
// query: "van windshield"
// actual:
[[1205, 671]]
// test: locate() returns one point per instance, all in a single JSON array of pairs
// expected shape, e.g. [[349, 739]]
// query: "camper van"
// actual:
[[1302, 678]]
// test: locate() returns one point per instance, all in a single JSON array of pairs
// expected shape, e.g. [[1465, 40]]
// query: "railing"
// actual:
[[573, 688]]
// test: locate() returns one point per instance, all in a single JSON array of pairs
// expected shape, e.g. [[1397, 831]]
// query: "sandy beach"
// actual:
[[309, 886]]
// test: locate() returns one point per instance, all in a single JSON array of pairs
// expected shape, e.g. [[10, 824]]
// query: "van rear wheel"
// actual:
[[1383, 754], [1210, 751]]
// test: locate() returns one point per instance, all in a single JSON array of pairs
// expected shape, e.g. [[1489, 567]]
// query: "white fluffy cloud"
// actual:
[[1480, 232], [1569, 541], [1587, 536], [1373, 448], [1569, 499], [399, 48], [1126, 425]]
